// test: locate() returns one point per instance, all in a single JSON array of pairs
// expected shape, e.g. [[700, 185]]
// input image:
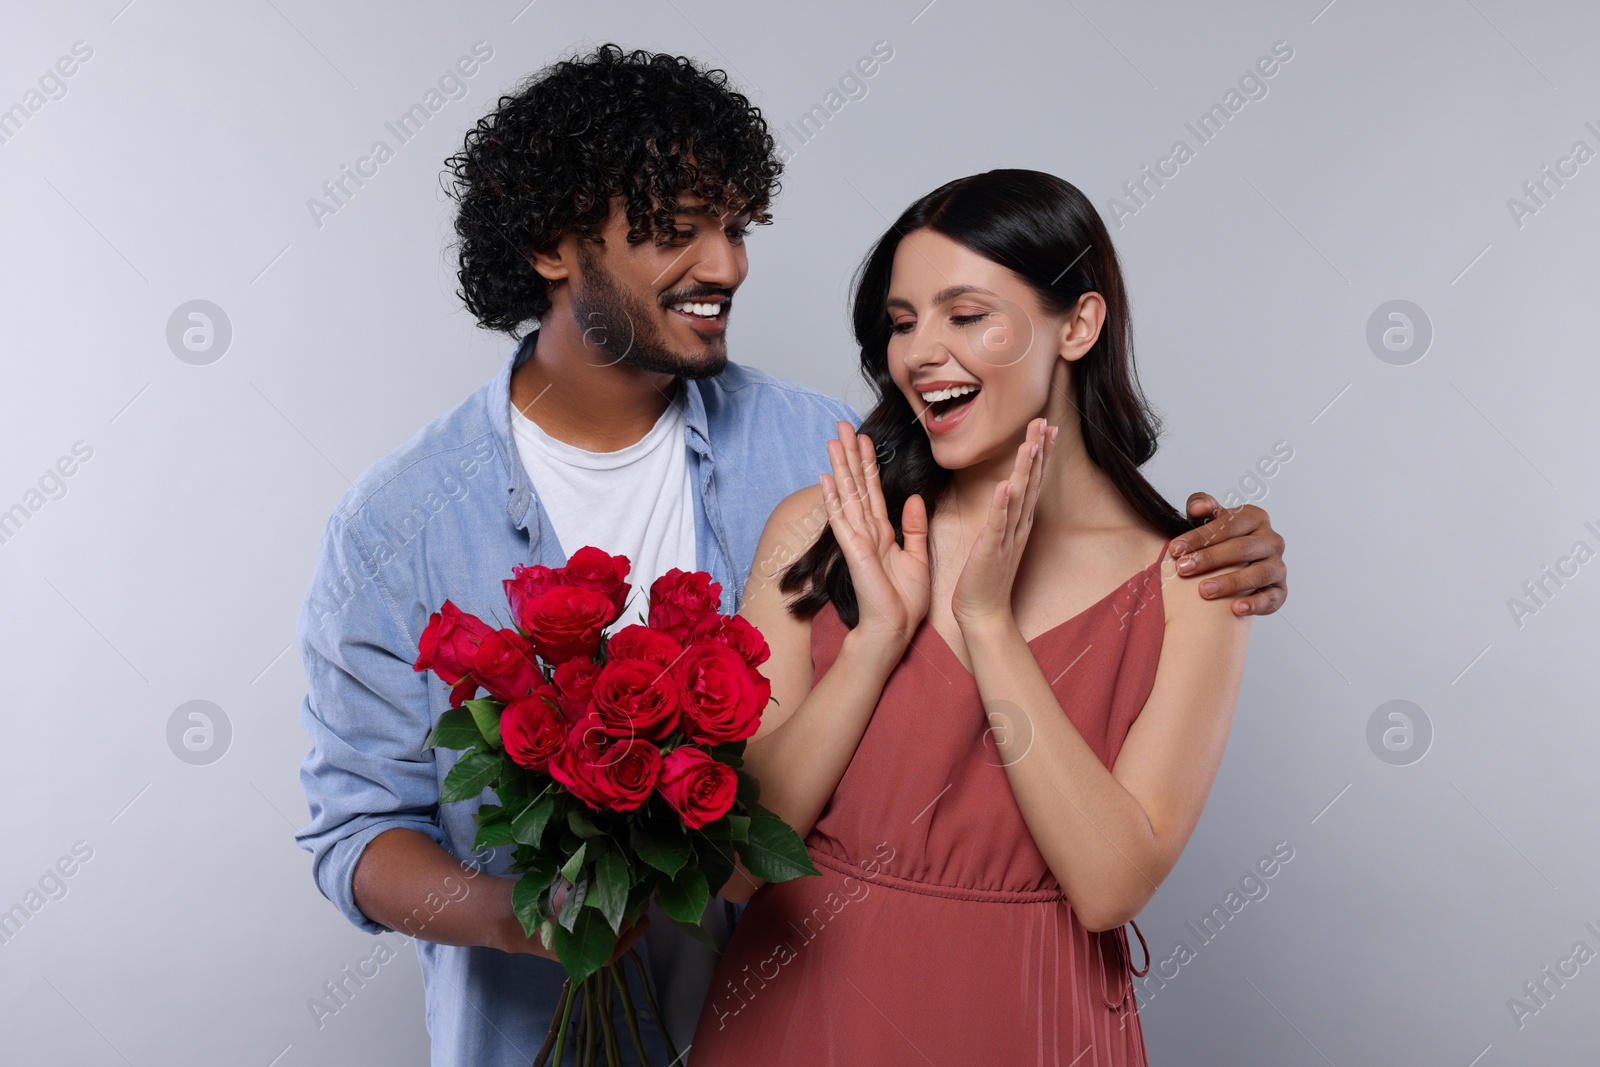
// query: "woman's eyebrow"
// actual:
[[948, 293]]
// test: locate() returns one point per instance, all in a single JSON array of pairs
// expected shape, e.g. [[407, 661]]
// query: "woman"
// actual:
[[994, 721]]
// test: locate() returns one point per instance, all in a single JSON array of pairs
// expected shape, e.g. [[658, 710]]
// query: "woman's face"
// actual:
[[971, 349]]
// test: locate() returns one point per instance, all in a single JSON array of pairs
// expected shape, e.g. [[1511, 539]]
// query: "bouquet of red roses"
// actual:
[[616, 761]]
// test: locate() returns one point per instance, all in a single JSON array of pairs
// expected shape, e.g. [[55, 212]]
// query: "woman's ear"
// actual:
[[1080, 329]]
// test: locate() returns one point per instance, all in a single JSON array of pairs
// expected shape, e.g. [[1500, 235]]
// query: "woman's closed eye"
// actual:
[[907, 325]]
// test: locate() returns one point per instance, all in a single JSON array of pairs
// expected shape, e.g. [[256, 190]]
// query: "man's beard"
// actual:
[[624, 328]]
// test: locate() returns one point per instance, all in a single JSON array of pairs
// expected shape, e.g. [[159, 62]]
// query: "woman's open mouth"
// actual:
[[947, 407]]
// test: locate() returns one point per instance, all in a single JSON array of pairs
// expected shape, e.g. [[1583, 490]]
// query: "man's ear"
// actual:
[[556, 260]]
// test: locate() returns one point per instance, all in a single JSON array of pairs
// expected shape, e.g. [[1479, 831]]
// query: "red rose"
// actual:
[[505, 665], [722, 696], [575, 681], [529, 583], [700, 788], [679, 599], [449, 642], [605, 772], [640, 642], [565, 622], [532, 729], [737, 632], [635, 698], [590, 568]]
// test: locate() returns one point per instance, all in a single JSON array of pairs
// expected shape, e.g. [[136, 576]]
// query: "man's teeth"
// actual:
[[705, 311], [946, 394]]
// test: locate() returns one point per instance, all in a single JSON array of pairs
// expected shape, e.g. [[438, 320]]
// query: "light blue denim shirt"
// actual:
[[448, 515]]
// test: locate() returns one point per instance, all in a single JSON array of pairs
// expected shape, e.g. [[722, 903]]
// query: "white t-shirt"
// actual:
[[633, 502]]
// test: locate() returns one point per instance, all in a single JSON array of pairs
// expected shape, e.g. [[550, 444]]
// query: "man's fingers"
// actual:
[[1252, 549], [1229, 523], [1262, 602], [1245, 580]]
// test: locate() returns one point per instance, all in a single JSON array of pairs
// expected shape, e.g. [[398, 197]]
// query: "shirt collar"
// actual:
[[519, 491]]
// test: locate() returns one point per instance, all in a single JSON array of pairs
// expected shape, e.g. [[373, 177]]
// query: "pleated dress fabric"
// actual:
[[936, 932]]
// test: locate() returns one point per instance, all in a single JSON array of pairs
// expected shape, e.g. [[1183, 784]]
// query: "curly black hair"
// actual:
[[551, 156]]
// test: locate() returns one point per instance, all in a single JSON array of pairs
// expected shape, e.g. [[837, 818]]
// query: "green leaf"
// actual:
[[574, 901], [660, 844], [639, 896], [611, 883], [527, 826], [580, 824], [684, 897], [585, 948], [749, 790], [739, 827], [486, 715], [729, 752], [455, 729], [715, 860], [574, 863], [520, 787], [494, 827], [774, 851], [525, 902], [471, 775]]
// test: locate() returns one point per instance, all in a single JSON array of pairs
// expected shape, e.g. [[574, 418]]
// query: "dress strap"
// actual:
[[1119, 941], [1161, 555], [1142, 945]]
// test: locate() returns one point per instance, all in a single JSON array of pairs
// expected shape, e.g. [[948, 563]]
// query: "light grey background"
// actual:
[[1420, 498]]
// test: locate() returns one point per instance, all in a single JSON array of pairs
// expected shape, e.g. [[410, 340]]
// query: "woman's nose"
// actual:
[[922, 350]]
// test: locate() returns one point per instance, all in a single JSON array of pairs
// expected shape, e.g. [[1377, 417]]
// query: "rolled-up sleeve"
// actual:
[[367, 713]]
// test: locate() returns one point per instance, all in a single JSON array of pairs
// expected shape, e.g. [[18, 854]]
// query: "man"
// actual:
[[608, 201]]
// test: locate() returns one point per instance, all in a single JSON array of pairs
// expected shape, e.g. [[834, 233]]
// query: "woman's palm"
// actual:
[[891, 581]]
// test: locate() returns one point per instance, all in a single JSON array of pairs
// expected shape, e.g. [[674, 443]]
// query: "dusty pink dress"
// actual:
[[936, 932]]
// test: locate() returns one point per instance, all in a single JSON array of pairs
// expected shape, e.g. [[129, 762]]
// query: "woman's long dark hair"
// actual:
[[1047, 232]]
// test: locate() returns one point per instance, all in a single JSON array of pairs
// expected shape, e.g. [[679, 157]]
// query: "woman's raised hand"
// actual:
[[891, 582], [982, 594]]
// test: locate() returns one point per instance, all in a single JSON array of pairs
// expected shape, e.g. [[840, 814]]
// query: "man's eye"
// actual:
[[737, 236]]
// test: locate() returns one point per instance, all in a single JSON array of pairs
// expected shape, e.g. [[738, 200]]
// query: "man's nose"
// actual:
[[719, 264]]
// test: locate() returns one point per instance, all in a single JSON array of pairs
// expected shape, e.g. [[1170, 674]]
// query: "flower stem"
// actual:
[[557, 1034], [655, 1009], [608, 1021], [586, 1040], [630, 1016]]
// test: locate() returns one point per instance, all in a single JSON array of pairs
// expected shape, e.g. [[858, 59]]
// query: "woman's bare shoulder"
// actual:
[[792, 529]]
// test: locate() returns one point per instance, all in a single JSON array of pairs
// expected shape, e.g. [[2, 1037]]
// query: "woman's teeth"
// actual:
[[947, 394], [705, 311]]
